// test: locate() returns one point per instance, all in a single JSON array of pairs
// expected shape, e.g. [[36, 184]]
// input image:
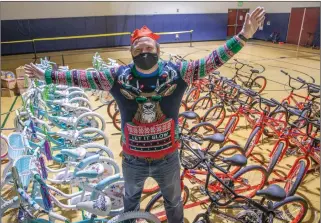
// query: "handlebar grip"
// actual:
[[284, 72], [301, 80], [28, 199], [57, 216]]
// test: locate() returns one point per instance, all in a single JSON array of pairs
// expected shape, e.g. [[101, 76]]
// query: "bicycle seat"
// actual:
[[216, 72], [215, 138], [313, 90], [189, 115], [273, 192], [78, 153], [236, 160], [254, 71], [99, 207], [92, 171]]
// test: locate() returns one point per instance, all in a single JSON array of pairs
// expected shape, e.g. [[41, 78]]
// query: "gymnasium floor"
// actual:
[[261, 54]]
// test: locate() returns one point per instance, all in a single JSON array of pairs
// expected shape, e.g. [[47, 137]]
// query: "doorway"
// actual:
[[236, 18], [310, 18]]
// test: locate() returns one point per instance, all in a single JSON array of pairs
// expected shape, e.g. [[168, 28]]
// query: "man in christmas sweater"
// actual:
[[148, 93]]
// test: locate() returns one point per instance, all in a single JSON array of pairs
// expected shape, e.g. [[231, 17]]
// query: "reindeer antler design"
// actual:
[[169, 79]]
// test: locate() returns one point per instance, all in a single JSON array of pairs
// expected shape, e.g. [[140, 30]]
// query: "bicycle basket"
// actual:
[[16, 146], [24, 166]]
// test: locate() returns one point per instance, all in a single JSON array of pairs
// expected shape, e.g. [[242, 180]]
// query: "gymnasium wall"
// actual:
[[29, 20]]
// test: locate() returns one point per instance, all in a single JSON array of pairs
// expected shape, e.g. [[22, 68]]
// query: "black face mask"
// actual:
[[146, 61]]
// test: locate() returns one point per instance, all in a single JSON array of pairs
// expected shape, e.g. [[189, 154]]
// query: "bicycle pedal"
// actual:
[[202, 190]]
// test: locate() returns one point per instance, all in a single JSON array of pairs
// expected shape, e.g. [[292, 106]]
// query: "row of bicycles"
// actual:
[[58, 123], [230, 183], [211, 113], [60, 141]]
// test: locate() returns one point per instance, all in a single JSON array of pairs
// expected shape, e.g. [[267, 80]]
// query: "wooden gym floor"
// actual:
[[261, 54]]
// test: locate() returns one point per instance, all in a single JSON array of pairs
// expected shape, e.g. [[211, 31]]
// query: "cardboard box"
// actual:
[[20, 82], [5, 92], [9, 83], [20, 91], [20, 72]]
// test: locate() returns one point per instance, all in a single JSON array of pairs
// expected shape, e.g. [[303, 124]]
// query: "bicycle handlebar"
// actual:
[[292, 78]]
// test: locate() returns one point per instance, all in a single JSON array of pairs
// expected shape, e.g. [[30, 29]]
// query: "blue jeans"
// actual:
[[165, 171]]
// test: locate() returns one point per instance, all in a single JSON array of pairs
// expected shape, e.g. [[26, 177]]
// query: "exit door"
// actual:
[[236, 18]]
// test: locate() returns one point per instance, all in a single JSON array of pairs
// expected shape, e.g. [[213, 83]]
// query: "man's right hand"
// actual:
[[32, 71]]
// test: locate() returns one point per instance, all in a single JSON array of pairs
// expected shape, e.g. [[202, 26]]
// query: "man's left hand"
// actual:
[[252, 22]]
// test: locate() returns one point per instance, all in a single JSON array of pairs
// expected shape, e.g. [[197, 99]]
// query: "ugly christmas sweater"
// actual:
[[149, 105]]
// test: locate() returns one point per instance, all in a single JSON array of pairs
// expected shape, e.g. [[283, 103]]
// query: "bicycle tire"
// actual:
[[299, 171], [81, 93], [206, 99], [83, 100], [150, 187], [115, 123], [93, 114], [263, 85], [102, 97], [4, 146], [220, 119], [112, 105], [191, 97], [275, 158], [248, 148], [288, 200], [134, 216], [159, 196], [99, 132]]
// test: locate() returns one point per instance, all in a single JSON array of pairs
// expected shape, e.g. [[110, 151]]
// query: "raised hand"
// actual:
[[32, 71], [252, 22]]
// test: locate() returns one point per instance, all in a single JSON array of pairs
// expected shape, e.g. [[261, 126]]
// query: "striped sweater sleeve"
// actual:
[[197, 69], [103, 80]]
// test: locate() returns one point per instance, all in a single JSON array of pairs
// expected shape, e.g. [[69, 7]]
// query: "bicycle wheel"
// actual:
[[4, 146], [215, 115], [112, 108], [86, 136], [258, 84], [275, 158], [91, 120], [150, 186], [75, 94], [201, 105], [252, 141], [79, 111], [105, 97], [80, 102], [136, 215], [117, 120], [192, 96], [156, 205], [295, 178], [293, 210], [249, 180]]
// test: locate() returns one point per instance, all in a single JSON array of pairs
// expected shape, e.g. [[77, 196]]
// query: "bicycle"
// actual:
[[257, 84], [243, 184], [29, 210]]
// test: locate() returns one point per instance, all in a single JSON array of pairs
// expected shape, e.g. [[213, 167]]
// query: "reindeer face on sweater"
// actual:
[[149, 109]]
